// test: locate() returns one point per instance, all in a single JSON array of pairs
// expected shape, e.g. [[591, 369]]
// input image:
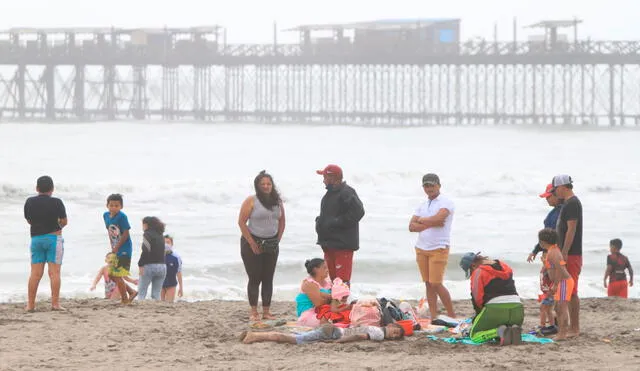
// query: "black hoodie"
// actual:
[[340, 213], [152, 248]]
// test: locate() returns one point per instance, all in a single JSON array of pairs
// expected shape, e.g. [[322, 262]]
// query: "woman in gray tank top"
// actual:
[[262, 224]]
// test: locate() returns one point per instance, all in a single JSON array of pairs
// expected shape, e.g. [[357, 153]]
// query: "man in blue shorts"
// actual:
[[47, 216]]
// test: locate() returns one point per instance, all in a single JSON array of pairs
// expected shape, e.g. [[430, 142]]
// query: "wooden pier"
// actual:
[[387, 72]]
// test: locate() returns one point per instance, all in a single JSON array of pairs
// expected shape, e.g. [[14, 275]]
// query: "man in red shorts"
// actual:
[[569, 230], [338, 223]]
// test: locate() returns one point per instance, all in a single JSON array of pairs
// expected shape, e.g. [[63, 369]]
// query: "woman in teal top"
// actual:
[[314, 291]]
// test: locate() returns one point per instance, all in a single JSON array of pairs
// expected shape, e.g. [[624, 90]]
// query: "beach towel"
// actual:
[[324, 311], [527, 338], [267, 324]]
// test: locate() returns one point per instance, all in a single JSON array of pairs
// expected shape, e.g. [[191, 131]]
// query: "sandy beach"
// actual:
[[99, 335]]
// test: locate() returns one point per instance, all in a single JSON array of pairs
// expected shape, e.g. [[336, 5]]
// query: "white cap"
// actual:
[[560, 180]]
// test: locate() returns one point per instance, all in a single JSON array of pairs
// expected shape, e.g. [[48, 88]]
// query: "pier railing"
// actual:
[[587, 52]]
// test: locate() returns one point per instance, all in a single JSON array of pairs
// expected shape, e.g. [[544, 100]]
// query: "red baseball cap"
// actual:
[[330, 169], [547, 192]]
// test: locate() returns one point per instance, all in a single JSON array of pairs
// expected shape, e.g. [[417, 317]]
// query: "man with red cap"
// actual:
[[337, 224], [552, 217]]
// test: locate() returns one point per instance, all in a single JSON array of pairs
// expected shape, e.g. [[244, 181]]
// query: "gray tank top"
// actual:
[[262, 221]]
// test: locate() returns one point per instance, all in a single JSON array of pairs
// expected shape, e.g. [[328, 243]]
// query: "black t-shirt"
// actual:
[[571, 210], [43, 212], [618, 263]]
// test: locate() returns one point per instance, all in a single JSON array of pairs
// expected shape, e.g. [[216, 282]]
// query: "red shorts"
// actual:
[[618, 288], [574, 266], [339, 262]]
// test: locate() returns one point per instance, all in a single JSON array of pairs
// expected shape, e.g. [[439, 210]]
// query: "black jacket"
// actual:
[[152, 248], [340, 213]]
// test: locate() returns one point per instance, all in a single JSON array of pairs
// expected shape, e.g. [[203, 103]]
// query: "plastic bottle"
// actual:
[[423, 309]]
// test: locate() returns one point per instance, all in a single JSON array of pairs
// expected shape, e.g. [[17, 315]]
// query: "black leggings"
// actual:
[[260, 269]]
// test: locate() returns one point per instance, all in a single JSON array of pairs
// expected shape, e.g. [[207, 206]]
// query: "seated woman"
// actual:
[[499, 310], [314, 292]]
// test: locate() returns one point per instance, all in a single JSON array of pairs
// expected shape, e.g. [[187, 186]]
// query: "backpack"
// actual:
[[390, 311]]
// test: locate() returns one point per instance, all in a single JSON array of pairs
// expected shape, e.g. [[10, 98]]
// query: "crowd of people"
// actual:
[[499, 313], [321, 302], [159, 265]]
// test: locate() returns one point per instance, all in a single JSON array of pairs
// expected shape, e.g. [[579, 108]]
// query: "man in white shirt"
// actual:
[[432, 219]]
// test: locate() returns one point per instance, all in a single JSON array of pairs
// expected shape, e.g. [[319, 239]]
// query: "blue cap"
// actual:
[[466, 261]]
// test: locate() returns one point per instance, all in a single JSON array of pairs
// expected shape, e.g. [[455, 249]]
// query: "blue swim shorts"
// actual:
[[548, 300], [47, 248]]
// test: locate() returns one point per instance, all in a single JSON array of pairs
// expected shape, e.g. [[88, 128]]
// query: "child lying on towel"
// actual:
[[329, 332]]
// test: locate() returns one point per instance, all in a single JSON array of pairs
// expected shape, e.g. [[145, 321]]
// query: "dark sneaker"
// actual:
[[505, 335], [549, 330], [516, 335]]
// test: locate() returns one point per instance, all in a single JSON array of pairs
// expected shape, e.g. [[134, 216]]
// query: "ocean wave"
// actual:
[[199, 288], [295, 190], [13, 192], [600, 189], [204, 192]]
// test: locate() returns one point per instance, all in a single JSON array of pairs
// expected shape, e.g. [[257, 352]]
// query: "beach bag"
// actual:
[[366, 313], [268, 245], [390, 311]]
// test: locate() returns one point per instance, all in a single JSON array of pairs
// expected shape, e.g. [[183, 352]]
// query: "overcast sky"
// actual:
[[252, 20]]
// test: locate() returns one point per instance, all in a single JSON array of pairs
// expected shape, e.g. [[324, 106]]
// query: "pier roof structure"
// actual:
[[410, 23], [203, 45], [556, 23], [210, 29]]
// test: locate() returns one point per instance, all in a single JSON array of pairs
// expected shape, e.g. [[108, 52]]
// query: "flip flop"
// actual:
[[59, 309]]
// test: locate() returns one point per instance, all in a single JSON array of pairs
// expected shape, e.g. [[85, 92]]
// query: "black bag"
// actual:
[[268, 245], [390, 311]]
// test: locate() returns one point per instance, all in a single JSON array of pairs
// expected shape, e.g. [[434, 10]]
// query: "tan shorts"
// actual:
[[432, 264]]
